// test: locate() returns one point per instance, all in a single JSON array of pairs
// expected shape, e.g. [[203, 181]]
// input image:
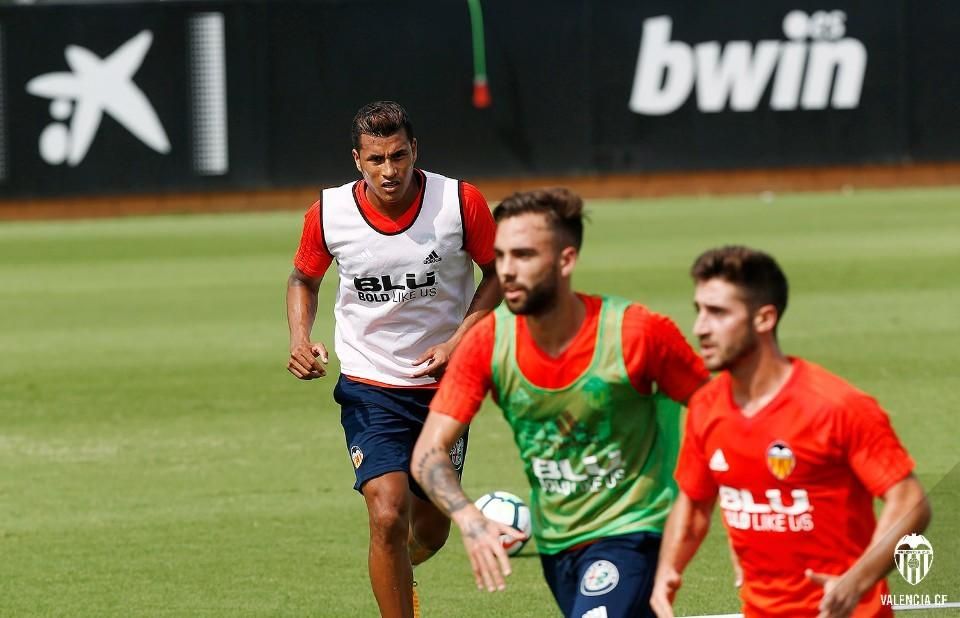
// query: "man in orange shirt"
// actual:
[[586, 384], [795, 454]]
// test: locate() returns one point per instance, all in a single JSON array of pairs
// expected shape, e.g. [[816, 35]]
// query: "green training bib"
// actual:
[[599, 456]]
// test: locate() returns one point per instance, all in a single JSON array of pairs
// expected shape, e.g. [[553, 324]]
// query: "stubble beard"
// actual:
[[735, 353], [539, 299]]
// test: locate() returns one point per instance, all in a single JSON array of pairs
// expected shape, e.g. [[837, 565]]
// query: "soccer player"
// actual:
[[795, 454], [579, 379], [405, 242]]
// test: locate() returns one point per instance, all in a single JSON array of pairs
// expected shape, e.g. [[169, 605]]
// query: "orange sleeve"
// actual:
[[478, 225], [468, 377], [872, 448], [654, 350], [312, 257], [693, 472]]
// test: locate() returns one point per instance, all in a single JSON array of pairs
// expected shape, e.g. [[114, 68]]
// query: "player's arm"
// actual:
[[303, 285], [457, 401], [302, 291], [486, 298], [685, 530], [433, 471], [905, 511]]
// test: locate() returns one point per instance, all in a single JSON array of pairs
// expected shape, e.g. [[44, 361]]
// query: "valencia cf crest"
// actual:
[[356, 455], [914, 557], [780, 459]]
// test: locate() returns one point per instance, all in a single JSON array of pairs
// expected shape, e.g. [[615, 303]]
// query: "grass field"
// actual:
[[156, 459]]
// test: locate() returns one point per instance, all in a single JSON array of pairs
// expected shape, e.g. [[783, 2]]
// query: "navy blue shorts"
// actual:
[[610, 578], [381, 426]]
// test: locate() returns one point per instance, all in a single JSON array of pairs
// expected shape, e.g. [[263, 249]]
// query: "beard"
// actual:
[[539, 298], [728, 357]]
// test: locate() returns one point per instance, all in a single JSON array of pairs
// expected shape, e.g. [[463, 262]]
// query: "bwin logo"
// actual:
[[94, 87], [805, 72]]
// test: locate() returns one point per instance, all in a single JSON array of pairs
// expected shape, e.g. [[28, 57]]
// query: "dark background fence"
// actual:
[[178, 96]]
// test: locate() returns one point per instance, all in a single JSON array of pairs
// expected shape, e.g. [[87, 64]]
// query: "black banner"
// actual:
[[173, 96], [741, 84]]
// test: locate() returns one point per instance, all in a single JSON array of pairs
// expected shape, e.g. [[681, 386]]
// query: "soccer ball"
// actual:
[[507, 508]]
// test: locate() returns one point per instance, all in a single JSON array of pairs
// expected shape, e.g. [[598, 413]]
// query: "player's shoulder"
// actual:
[[471, 198], [312, 220], [338, 196], [314, 210], [708, 396], [346, 187], [436, 177], [470, 195], [820, 384], [639, 312], [478, 342], [489, 320], [639, 317], [485, 328]]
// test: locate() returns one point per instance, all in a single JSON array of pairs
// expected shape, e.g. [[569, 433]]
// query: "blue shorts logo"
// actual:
[[601, 577], [356, 455]]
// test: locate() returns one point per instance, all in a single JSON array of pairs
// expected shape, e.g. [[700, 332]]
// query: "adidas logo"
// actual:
[[433, 258], [596, 612], [718, 463], [365, 256]]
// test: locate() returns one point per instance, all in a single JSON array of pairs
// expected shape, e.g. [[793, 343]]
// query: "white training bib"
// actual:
[[401, 292]]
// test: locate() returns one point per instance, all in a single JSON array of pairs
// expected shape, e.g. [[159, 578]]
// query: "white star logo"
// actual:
[[96, 86]]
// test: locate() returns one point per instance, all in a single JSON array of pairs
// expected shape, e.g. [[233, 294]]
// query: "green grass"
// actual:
[[156, 459]]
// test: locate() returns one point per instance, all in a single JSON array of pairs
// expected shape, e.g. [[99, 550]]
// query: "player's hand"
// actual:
[[436, 358], [307, 360], [840, 594], [665, 586], [481, 538]]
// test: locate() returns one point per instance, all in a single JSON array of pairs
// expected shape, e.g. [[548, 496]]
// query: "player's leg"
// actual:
[[391, 573], [615, 577], [429, 529], [559, 570], [378, 443]]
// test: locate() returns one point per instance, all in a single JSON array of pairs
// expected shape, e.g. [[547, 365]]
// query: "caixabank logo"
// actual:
[[97, 86], [817, 67]]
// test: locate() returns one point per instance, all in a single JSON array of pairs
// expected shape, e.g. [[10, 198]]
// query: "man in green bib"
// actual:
[[589, 385]]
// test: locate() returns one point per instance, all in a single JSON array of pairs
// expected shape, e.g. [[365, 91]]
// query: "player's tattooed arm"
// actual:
[[436, 476], [431, 467]]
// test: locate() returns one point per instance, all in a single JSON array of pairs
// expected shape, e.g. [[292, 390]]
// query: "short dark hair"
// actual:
[[562, 208], [755, 272], [380, 119]]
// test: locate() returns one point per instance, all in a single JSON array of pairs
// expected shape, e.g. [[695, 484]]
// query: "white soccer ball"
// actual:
[[507, 508]]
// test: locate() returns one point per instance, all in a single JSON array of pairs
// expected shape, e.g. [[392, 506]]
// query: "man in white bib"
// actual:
[[405, 242]]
